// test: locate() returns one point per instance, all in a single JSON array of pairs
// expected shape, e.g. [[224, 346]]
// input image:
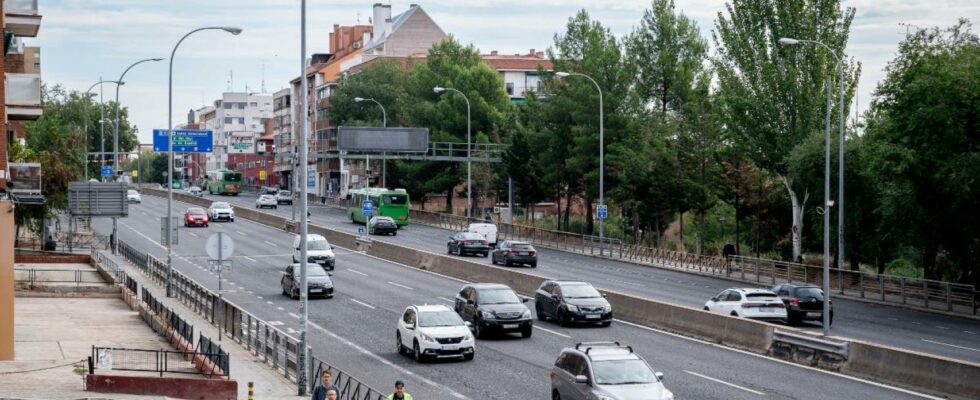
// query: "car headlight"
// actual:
[[427, 338], [488, 314], [571, 307], [526, 315], [607, 308], [468, 337], [668, 395]]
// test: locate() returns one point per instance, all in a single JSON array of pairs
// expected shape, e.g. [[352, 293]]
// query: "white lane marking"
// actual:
[[280, 309], [259, 297], [553, 332], [270, 243], [363, 303], [951, 345], [400, 285], [241, 233], [725, 383], [294, 315], [784, 362], [443, 298], [385, 361], [972, 333], [275, 323], [143, 235], [941, 327], [192, 234], [268, 302], [357, 272], [292, 331], [917, 323], [250, 259]]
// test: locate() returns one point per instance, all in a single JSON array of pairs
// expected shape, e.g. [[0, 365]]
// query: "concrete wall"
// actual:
[[907, 368], [180, 388], [6, 278]]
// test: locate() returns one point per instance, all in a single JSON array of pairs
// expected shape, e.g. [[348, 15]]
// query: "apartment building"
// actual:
[[519, 72], [237, 122]]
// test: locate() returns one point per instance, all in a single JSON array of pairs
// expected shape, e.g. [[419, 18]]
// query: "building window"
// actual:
[[228, 106], [241, 120], [510, 88], [241, 106], [253, 104], [229, 120]]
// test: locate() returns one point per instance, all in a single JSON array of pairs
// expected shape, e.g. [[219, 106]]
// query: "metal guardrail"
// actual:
[[811, 342], [159, 361], [267, 342]]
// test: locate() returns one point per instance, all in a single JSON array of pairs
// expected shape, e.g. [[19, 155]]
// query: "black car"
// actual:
[[493, 307], [382, 226], [572, 301], [803, 303], [468, 243], [510, 252]]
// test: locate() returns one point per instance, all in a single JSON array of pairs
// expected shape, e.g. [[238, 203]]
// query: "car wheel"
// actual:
[[398, 343], [526, 332], [485, 255], [295, 294], [477, 331], [541, 316], [734, 314], [449, 249], [417, 353], [394, 234], [534, 265], [562, 319], [794, 319], [606, 323], [555, 395]]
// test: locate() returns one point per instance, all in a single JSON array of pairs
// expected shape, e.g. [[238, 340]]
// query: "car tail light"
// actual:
[[777, 305], [794, 302], [750, 305], [534, 253]]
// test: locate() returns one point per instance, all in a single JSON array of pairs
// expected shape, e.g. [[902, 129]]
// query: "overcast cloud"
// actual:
[[82, 40]]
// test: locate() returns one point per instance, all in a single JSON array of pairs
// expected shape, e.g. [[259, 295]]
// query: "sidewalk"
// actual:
[[244, 366]]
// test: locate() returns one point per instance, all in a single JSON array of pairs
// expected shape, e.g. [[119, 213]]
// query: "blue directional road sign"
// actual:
[[185, 140], [367, 207], [602, 212], [310, 179], [106, 171]]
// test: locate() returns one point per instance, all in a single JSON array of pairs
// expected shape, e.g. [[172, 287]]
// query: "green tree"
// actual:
[[381, 81], [772, 97], [923, 144]]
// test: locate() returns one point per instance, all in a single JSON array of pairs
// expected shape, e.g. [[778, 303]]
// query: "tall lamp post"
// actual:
[[384, 124], [170, 151], [602, 233], [827, 202], [101, 119], [469, 148]]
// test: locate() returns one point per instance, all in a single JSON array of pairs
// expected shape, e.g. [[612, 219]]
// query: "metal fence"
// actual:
[[34, 276], [169, 316], [350, 388], [218, 357], [267, 342], [159, 361]]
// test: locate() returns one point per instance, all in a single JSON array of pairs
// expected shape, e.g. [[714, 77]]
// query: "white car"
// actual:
[[220, 210], [266, 200], [761, 304], [318, 250], [133, 196], [488, 231], [434, 331], [195, 191]]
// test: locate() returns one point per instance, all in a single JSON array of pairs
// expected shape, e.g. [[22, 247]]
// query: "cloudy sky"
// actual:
[[83, 40]]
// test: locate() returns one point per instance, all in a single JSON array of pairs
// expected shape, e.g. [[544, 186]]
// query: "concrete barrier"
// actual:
[[911, 369]]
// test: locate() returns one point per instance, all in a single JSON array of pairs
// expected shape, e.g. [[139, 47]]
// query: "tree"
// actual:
[[922, 144], [772, 97]]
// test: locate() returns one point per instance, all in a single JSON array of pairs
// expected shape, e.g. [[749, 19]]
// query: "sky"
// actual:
[[83, 40]]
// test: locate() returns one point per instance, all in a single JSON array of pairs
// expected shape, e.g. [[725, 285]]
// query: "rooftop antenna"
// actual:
[[231, 80], [263, 75], [358, 17]]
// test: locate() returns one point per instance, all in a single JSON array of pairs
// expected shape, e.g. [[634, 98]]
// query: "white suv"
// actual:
[[434, 332], [758, 304], [606, 371]]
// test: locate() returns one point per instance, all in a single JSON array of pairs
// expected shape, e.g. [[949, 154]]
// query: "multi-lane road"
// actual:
[[939, 334], [355, 330]]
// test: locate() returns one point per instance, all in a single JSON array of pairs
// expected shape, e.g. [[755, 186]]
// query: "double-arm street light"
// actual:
[[602, 233], [101, 120], [170, 151], [840, 190], [384, 124], [469, 148]]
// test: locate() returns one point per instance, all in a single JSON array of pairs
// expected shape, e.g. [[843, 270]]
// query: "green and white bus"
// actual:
[[224, 181], [387, 203]]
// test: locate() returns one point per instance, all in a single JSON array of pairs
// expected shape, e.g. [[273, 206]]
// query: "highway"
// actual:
[[948, 336], [355, 329]]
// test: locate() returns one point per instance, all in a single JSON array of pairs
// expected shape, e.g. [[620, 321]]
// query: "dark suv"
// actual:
[[572, 301], [803, 302], [493, 307]]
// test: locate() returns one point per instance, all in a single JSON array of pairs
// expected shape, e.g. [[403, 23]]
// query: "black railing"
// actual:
[[218, 357], [350, 387], [158, 361]]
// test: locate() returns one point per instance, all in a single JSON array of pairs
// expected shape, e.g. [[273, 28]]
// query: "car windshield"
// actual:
[[133, 192], [579, 291], [317, 245], [267, 197], [439, 318], [314, 270], [498, 296], [396, 199], [761, 296], [472, 236], [809, 292], [233, 176], [383, 220], [622, 372], [220, 205], [284, 193], [196, 211]]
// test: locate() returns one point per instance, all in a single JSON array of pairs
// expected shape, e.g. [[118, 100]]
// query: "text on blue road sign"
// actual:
[[185, 140]]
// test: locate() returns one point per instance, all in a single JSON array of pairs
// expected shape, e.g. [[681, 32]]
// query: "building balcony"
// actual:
[[23, 96], [21, 17]]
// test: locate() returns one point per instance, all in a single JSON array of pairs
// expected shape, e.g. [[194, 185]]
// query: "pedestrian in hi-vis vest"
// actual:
[[399, 392]]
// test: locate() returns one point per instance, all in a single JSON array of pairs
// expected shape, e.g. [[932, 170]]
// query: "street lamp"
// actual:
[[170, 150], [602, 233], [840, 180], [384, 124], [101, 120], [469, 147]]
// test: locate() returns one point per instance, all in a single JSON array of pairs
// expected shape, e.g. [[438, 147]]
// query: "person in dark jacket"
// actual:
[[326, 384]]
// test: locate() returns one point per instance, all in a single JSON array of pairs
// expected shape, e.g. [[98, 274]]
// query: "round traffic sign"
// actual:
[[220, 241]]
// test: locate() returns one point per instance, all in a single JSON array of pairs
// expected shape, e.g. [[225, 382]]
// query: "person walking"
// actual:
[[399, 392], [326, 385]]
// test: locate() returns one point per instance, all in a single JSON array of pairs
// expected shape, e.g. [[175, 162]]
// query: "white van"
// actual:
[[488, 231], [318, 250]]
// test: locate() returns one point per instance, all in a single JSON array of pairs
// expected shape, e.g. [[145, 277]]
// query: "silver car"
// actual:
[[605, 370], [318, 281]]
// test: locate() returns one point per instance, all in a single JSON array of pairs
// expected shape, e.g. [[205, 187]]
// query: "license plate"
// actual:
[[766, 309], [510, 326], [523, 253], [814, 314], [450, 347], [593, 316], [316, 290]]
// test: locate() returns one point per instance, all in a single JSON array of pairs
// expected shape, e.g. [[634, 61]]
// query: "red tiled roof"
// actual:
[[517, 61]]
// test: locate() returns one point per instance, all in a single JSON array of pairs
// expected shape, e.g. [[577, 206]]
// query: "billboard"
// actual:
[[379, 140], [185, 140], [241, 144], [25, 178], [97, 199]]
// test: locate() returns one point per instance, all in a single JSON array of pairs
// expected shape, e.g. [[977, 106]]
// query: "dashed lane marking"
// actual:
[[357, 272], [400, 285], [725, 383], [250, 259], [553, 332], [363, 303]]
